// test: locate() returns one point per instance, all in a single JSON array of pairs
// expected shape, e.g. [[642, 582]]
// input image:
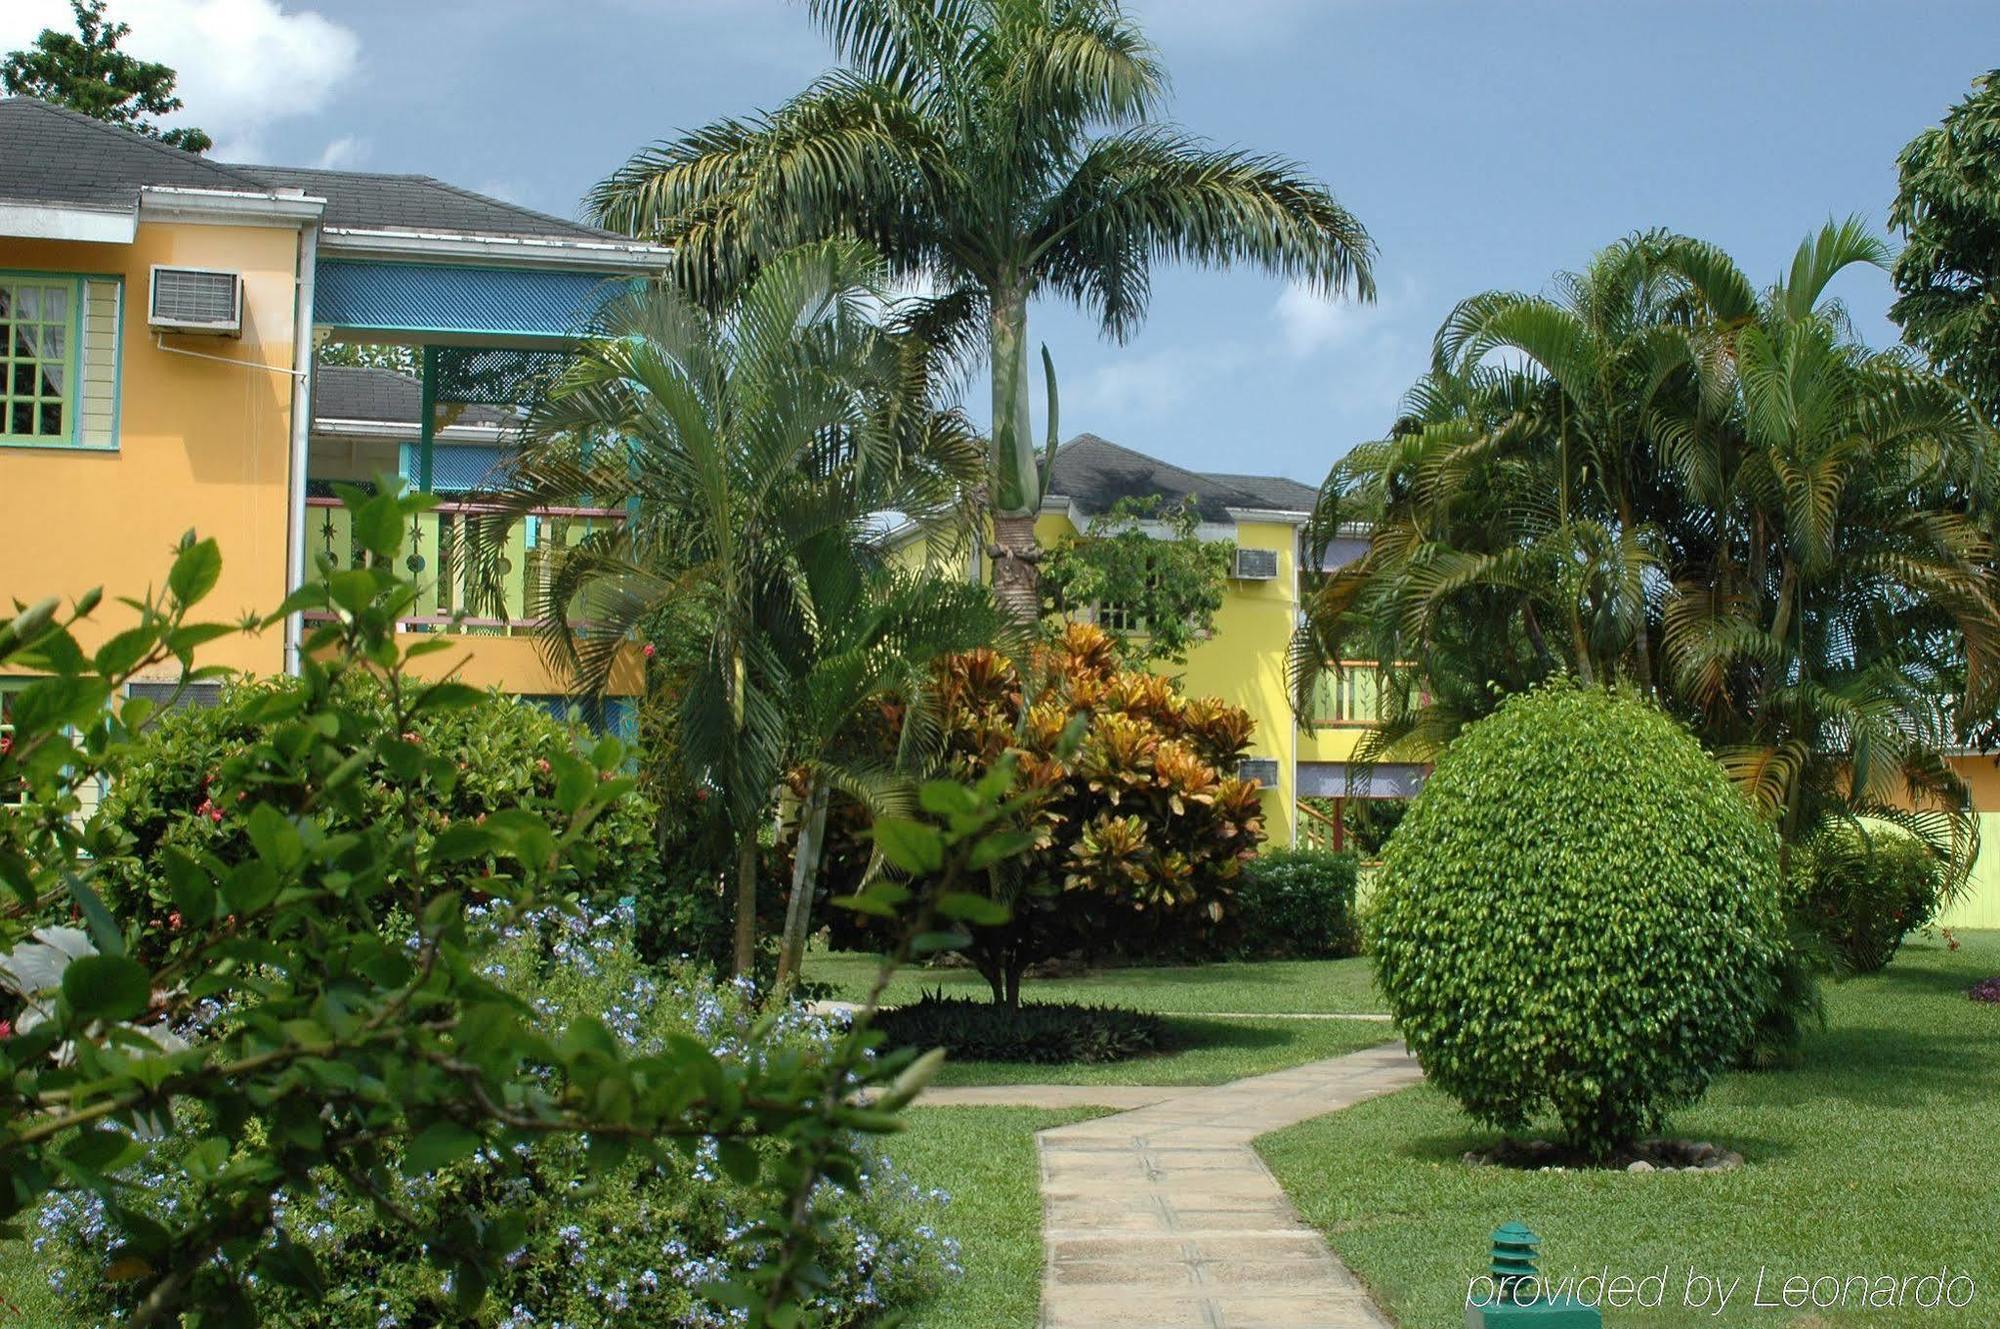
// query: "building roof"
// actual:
[[382, 396], [371, 201], [50, 154], [1094, 473], [53, 155]]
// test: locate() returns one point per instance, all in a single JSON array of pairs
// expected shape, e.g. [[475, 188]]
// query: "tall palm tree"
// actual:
[[994, 150], [1661, 477], [754, 450]]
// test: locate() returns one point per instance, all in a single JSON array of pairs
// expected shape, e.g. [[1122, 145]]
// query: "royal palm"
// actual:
[[994, 150]]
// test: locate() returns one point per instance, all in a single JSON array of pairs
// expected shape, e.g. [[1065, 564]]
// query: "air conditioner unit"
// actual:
[[1264, 770], [1255, 565], [198, 300]]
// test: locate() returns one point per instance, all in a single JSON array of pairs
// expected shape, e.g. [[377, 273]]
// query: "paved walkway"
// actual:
[[1164, 1217]]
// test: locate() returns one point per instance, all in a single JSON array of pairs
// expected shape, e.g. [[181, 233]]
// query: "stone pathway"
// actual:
[[1164, 1217]]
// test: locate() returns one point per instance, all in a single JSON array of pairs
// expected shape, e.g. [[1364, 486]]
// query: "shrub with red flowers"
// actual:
[[182, 788], [1138, 831]]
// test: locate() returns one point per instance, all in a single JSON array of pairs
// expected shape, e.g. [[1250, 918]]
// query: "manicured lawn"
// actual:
[[1214, 1052], [1876, 1157], [25, 1302], [985, 1159], [1272, 986]]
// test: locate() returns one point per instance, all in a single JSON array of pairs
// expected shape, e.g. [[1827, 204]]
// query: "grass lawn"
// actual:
[[1214, 1052], [1876, 1157], [985, 1159], [25, 1301], [1269, 987]]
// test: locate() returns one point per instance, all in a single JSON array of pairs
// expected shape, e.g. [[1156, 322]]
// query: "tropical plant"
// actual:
[[1580, 914], [632, 1245], [361, 1020], [1142, 572], [1660, 478], [1139, 830], [1043, 1033], [994, 150], [86, 72], [755, 449], [1298, 904], [1948, 275], [164, 802], [1865, 889]]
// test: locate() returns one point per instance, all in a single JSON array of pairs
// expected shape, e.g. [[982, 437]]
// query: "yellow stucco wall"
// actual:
[[1979, 906], [200, 445]]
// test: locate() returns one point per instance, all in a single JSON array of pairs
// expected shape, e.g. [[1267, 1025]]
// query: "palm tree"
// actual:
[[756, 448], [1662, 478], [994, 150], [875, 640]]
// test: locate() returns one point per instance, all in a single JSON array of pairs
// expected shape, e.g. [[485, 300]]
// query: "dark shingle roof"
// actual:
[[49, 154], [343, 392], [369, 201], [1094, 473], [1276, 492]]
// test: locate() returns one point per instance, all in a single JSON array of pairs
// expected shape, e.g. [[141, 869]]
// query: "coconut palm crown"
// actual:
[[993, 150]]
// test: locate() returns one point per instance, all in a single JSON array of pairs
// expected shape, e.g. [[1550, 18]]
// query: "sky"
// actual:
[[1485, 144]]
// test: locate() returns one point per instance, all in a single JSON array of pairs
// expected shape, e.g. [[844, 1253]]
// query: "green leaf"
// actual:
[[974, 909], [910, 845], [739, 1160], [462, 840], [122, 652], [195, 571], [438, 1144], [379, 526], [107, 987], [999, 846]]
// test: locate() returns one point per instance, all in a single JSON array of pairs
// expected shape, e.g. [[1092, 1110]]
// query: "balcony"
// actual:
[[1350, 697], [468, 581]]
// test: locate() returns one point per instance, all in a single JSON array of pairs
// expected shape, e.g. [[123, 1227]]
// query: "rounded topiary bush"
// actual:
[[1580, 915]]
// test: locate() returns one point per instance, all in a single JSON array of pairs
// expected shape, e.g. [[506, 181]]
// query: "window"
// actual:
[[58, 359], [16, 796]]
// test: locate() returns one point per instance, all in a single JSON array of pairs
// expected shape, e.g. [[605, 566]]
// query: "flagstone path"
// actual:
[[1164, 1217]]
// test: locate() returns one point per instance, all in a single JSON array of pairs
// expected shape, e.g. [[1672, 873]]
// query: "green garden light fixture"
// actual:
[[1516, 1299]]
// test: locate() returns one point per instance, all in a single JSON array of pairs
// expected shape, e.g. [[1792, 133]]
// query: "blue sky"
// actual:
[[1483, 144]]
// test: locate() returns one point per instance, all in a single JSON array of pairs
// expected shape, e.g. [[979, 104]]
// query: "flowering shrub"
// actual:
[[1986, 989], [1863, 896], [631, 1246], [163, 794]]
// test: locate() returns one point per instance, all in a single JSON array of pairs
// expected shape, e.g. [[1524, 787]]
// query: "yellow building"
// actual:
[[158, 318]]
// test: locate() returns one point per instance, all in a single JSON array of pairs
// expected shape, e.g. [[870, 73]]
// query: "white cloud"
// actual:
[[343, 153], [1135, 386], [243, 64], [1311, 322]]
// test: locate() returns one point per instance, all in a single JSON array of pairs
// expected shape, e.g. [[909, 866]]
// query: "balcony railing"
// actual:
[[1351, 696], [470, 578]]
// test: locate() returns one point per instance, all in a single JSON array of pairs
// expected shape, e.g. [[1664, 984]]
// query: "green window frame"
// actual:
[[59, 335]]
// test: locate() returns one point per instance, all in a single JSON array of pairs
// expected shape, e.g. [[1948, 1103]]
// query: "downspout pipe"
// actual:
[[295, 486]]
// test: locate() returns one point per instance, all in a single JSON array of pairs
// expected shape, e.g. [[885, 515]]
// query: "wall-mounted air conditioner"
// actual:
[[1264, 770], [1255, 565], [197, 300]]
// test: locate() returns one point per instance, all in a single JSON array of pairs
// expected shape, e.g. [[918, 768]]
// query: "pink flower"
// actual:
[[542, 765], [174, 921], [649, 650], [6, 1028]]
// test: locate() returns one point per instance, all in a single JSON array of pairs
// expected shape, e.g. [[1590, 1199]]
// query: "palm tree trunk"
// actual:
[[746, 904], [805, 876], [1017, 481]]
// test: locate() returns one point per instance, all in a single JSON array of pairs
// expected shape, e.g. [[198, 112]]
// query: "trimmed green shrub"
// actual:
[[1579, 915], [1865, 893], [1298, 904], [1043, 1033], [159, 794]]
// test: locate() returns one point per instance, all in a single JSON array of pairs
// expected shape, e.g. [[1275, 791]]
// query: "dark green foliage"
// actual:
[[86, 72], [1864, 894], [1042, 1033], [1371, 821], [1298, 904], [1948, 275], [1156, 597], [1580, 914], [166, 794]]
